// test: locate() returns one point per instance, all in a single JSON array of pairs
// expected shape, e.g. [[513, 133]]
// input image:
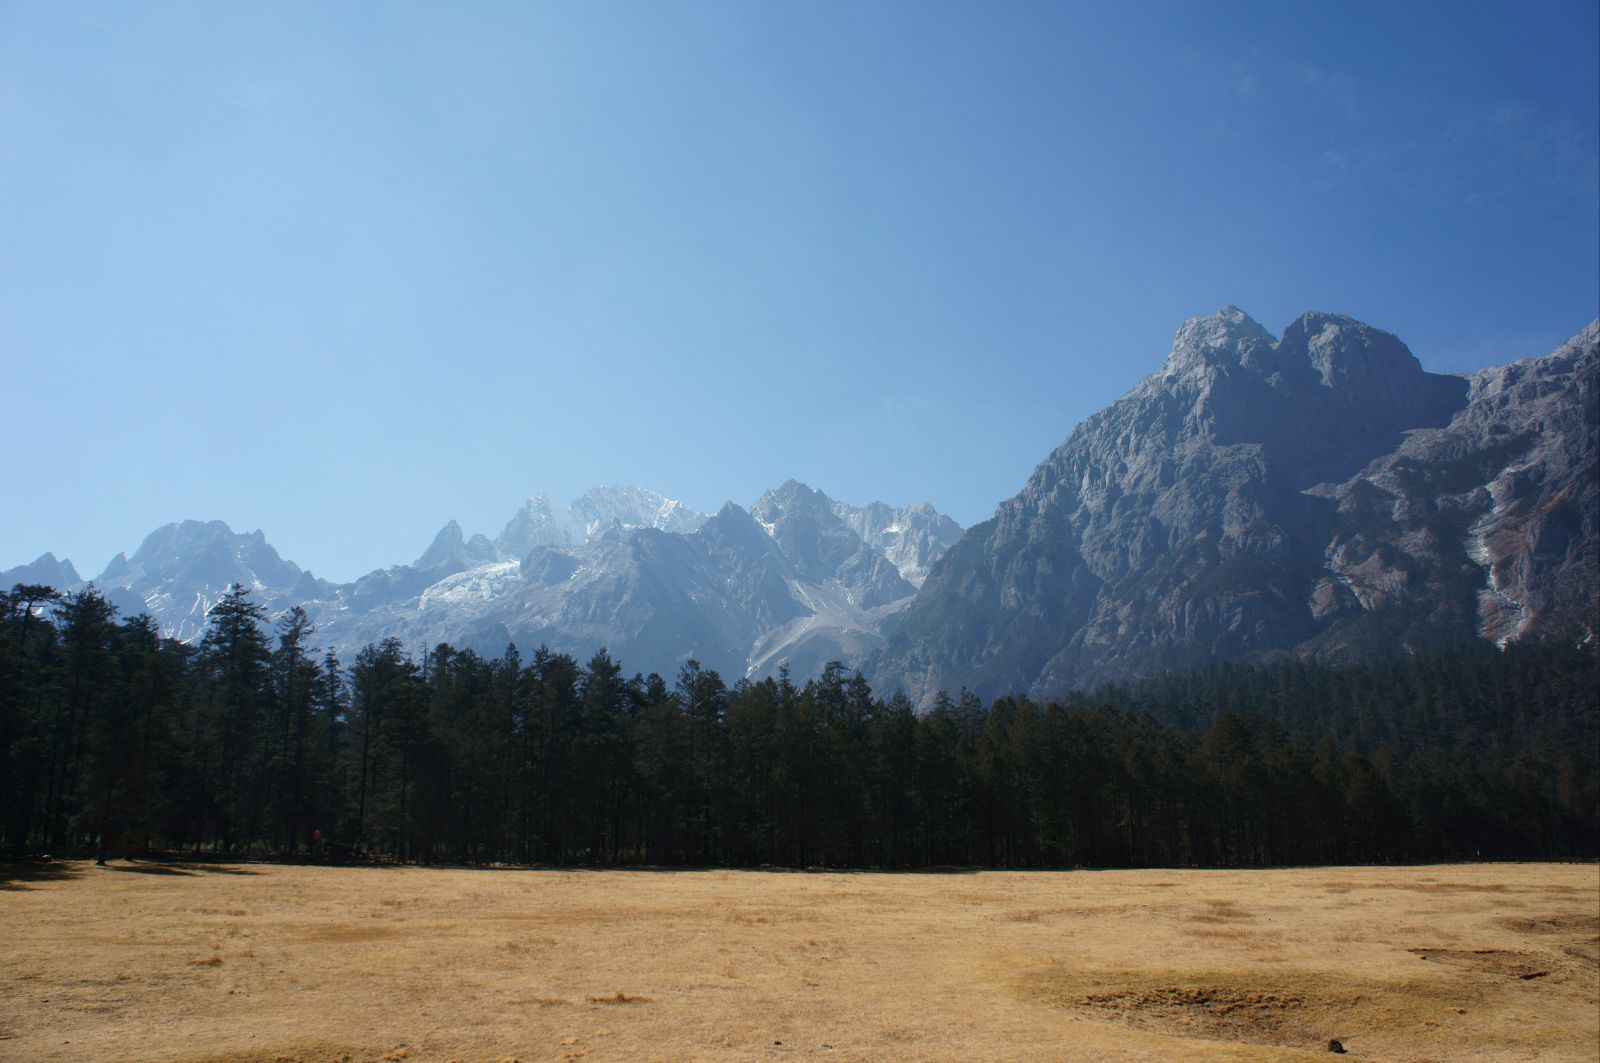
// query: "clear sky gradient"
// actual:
[[344, 271]]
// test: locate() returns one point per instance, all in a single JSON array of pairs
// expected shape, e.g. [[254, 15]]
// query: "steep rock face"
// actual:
[[538, 523], [749, 567], [1195, 518], [912, 537], [821, 547], [1489, 525]]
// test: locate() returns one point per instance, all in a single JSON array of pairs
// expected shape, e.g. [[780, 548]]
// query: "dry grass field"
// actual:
[[244, 962]]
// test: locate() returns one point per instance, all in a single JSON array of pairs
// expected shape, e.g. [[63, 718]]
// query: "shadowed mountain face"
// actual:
[[1318, 492]]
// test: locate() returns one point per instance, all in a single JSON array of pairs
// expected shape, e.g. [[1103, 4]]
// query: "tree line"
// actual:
[[114, 740]]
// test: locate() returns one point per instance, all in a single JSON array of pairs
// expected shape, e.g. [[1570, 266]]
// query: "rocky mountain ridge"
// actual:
[[1315, 493], [620, 567]]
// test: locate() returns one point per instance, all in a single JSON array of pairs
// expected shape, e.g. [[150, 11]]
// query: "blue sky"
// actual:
[[346, 271]]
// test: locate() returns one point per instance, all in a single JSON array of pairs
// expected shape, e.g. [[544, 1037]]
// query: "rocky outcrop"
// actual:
[[1491, 523]]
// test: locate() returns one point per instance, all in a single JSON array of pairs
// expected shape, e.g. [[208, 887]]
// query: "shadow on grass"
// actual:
[[147, 866], [16, 874], [691, 869]]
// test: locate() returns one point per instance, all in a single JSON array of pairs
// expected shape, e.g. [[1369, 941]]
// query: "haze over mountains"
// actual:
[[1315, 493], [798, 578]]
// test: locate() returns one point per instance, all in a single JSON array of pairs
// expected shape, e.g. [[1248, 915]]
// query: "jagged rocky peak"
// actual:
[[1349, 355], [44, 570], [732, 526], [1371, 371], [1341, 353], [171, 541], [791, 499], [803, 521], [1321, 400], [1532, 379], [1319, 493], [603, 507], [807, 530], [1230, 335], [451, 547], [912, 537], [1510, 487], [445, 546], [598, 512], [539, 522], [182, 569], [204, 550], [821, 546]]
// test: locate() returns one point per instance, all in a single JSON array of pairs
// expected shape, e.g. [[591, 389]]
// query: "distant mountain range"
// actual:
[[1315, 493], [798, 579]]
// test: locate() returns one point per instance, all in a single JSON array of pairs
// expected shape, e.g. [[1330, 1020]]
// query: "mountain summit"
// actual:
[[1318, 492]]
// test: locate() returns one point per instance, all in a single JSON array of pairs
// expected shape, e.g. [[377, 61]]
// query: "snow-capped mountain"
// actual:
[[624, 568], [181, 570], [746, 592], [597, 511], [912, 537]]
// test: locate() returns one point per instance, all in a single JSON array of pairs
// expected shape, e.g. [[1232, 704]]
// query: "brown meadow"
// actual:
[[144, 961]]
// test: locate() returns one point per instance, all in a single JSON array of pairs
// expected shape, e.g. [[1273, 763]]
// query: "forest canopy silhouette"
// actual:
[[116, 741]]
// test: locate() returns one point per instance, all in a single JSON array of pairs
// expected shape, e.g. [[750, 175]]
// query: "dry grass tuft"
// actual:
[[1023, 917], [1567, 923], [1288, 1010], [1219, 911], [1221, 932], [1509, 962], [619, 997]]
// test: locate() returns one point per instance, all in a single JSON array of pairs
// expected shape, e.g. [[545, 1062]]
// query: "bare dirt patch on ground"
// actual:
[[218, 962]]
